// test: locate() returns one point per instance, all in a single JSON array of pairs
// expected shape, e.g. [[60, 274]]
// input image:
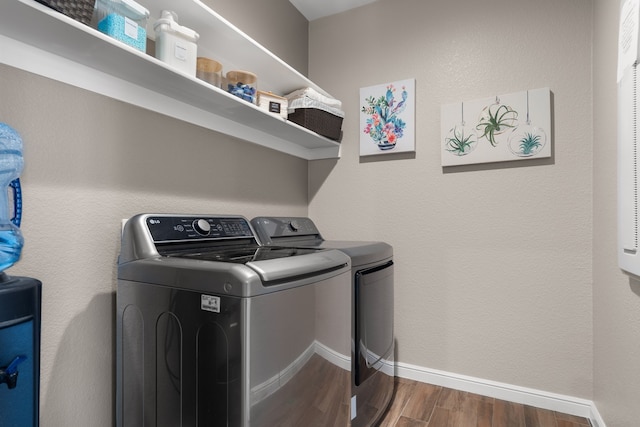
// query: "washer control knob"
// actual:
[[293, 225], [202, 227]]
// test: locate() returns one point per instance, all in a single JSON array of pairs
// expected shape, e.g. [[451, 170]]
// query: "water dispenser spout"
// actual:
[[9, 374]]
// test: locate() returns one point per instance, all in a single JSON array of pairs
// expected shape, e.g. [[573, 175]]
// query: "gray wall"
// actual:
[[91, 161], [616, 297], [493, 276]]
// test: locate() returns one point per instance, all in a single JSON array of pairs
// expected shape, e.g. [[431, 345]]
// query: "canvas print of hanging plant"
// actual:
[[387, 118], [514, 126]]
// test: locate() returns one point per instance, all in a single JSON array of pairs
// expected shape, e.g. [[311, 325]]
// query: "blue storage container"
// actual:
[[124, 20]]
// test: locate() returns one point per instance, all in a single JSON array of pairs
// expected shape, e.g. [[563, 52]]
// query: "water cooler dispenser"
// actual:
[[20, 299]]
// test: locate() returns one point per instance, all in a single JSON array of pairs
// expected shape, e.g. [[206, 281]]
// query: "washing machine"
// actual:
[[372, 380], [213, 329]]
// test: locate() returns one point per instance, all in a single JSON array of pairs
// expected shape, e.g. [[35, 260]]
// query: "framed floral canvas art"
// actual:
[[387, 118]]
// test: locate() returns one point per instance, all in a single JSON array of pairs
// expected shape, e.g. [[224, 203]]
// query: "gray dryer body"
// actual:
[[372, 372]]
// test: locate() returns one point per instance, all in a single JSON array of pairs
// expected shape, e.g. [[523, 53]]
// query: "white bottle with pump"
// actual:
[[175, 44]]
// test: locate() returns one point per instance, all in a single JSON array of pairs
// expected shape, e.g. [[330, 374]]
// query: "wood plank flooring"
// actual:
[[417, 404]]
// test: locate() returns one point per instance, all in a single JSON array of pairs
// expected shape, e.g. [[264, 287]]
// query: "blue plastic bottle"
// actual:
[[11, 163]]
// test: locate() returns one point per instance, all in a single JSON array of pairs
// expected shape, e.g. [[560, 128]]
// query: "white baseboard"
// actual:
[[527, 396], [512, 393], [596, 419]]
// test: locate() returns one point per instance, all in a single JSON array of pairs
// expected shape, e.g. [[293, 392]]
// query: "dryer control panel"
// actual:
[[271, 230]]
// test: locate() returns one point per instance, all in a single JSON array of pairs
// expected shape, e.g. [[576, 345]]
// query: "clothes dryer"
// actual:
[[214, 329], [372, 373]]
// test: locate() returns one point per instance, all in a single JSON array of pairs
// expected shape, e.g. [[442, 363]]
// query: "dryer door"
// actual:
[[373, 320]]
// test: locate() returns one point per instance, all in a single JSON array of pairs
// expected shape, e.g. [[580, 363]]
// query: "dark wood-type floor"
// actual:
[[418, 404]]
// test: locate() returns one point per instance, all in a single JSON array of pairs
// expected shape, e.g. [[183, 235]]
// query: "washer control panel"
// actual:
[[181, 228]]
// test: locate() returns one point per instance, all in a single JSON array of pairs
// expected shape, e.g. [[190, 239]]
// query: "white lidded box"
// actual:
[[273, 104], [124, 20], [175, 44]]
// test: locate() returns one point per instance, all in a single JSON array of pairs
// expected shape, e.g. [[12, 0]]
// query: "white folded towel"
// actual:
[[315, 95], [306, 102]]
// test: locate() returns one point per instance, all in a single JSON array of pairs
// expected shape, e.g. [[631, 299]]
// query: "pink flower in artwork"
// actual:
[[391, 137]]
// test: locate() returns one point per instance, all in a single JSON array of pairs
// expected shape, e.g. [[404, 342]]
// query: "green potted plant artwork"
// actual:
[[386, 118], [499, 129]]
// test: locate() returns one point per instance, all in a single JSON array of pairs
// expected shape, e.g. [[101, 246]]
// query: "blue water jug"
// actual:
[[11, 163]]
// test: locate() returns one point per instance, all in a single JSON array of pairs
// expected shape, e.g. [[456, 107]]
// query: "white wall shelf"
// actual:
[[40, 40]]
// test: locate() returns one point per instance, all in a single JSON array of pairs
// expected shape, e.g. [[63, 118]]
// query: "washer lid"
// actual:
[[244, 254], [274, 265], [300, 267]]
